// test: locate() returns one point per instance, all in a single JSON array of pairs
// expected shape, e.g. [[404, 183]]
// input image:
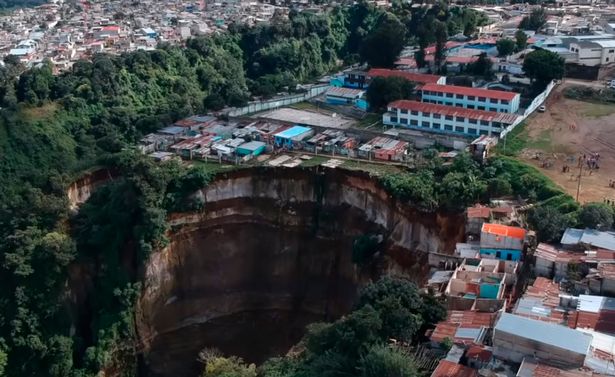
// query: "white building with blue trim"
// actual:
[[471, 98]]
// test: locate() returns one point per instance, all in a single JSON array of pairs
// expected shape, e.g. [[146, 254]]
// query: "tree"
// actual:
[[384, 90], [458, 190], [219, 366], [534, 21], [387, 361], [399, 305], [596, 216], [505, 47], [441, 35], [542, 66], [483, 66], [549, 223], [520, 40], [383, 45]]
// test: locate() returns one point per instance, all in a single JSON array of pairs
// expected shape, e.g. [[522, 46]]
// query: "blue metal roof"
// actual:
[[604, 240], [543, 332], [173, 130], [292, 132]]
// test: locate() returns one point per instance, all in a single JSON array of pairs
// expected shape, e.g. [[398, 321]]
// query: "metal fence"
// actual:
[[536, 103], [274, 103]]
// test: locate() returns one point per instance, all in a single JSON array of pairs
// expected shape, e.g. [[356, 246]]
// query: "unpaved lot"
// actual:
[[566, 131]]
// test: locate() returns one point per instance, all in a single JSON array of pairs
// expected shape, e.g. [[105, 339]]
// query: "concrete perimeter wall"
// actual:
[[258, 106]]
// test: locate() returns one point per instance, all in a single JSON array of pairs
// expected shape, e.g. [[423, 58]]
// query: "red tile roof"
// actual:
[[449, 369], [505, 118], [466, 91], [421, 78]]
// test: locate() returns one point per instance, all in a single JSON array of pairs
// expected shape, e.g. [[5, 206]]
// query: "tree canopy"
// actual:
[[505, 47], [382, 47], [384, 90], [536, 19], [542, 66]]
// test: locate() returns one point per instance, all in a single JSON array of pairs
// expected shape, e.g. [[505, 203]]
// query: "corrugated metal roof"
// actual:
[[455, 111], [591, 304], [543, 332], [293, 131], [604, 240], [466, 91]]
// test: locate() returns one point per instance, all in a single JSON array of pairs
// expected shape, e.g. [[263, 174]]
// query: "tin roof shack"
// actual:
[[196, 147], [478, 286], [292, 138], [544, 301], [597, 313], [155, 142], [462, 327], [260, 130], [502, 241], [552, 262], [475, 218], [251, 148], [516, 337], [479, 148], [384, 148], [532, 368], [330, 141], [601, 355], [583, 239]]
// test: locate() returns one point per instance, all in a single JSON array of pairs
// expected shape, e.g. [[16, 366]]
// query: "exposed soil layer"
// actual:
[[270, 253]]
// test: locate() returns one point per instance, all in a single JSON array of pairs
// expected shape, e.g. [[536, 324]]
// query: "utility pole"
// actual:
[[579, 182]]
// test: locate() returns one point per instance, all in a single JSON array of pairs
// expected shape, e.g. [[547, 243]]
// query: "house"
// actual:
[[462, 327], [596, 313], [471, 98], [481, 285], [419, 78], [446, 119], [251, 148], [544, 301], [384, 148], [552, 262], [330, 141], [196, 147], [516, 337], [292, 137], [480, 147], [475, 218], [502, 241]]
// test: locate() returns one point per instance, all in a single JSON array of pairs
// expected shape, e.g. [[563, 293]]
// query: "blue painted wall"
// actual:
[[501, 254], [489, 291]]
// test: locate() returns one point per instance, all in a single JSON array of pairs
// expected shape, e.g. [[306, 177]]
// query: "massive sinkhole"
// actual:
[[271, 252]]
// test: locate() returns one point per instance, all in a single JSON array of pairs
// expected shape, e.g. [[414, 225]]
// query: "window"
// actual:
[[458, 105], [472, 121], [483, 132], [493, 100], [448, 117], [448, 127], [414, 122], [437, 116], [493, 109], [460, 119], [471, 98], [403, 111], [459, 96], [505, 102], [414, 112], [498, 254], [470, 106], [426, 93], [472, 131], [481, 108], [496, 125], [426, 115], [425, 124], [509, 255], [436, 126], [611, 51], [482, 99], [484, 123], [403, 120], [459, 129], [449, 95], [393, 119]]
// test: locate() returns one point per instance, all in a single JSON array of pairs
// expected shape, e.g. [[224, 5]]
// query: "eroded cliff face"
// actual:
[[270, 253], [82, 188]]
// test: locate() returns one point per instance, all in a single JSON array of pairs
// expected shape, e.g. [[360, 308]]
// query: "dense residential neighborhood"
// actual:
[[306, 188]]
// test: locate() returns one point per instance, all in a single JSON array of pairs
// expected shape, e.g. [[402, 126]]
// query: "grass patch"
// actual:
[[35, 113], [214, 167], [374, 169], [515, 141], [597, 110], [372, 120]]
